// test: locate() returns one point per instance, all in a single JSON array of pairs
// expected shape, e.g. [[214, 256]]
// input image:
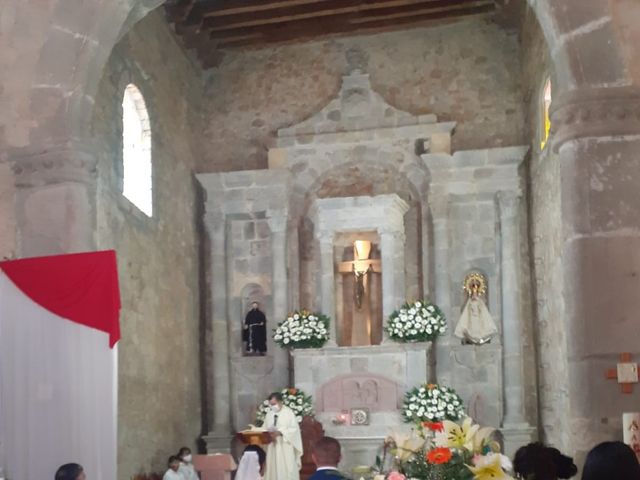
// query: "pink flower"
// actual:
[[396, 476]]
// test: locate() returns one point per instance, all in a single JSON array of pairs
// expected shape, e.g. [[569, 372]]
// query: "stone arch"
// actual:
[[408, 179], [53, 152], [576, 31], [75, 49], [352, 171]]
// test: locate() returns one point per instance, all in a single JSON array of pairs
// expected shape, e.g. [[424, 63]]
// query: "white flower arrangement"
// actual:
[[419, 321], [295, 399], [302, 329], [432, 403]]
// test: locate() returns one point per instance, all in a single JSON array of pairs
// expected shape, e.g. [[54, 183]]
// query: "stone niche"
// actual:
[[382, 214]]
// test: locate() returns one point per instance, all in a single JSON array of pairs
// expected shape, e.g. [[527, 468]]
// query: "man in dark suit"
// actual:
[[326, 455]]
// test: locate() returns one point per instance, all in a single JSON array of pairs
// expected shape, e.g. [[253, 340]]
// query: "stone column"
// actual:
[[339, 302], [218, 377], [442, 285], [279, 289], [325, 283], [424, 246], [439, 211], [393, 277], [596, 139], [512, 328], [55, 197], [293, 249]]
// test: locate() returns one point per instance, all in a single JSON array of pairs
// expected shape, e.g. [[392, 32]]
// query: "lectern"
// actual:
[[217, 466]]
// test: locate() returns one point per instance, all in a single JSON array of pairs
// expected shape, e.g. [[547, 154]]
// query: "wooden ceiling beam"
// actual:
[[282, 14], [236, 7], [304, 31], [453, 7], [325, 9], [335, 22], [424, 17]]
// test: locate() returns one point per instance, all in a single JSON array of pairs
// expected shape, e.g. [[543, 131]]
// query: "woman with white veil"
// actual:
[[251, 464]]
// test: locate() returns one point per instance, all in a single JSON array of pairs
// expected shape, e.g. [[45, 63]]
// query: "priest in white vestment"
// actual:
[[285, 450]]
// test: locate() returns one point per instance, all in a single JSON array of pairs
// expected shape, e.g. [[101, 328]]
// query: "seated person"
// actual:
[[326, 455], [539, 462], [186, 465], [251, 465], [172, 473], [70, 471], [609, 461]]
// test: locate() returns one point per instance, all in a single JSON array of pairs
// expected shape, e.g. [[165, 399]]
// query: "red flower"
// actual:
[[439, 455], [433, 426], [293, 391]]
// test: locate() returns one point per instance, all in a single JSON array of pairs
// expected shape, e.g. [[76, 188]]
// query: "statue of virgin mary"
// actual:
[[476, 325]]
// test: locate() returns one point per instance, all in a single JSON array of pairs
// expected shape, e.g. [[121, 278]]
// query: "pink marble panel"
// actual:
[[344, 392]]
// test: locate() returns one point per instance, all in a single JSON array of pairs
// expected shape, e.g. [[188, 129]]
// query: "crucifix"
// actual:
[[626, 372], [361, 268]]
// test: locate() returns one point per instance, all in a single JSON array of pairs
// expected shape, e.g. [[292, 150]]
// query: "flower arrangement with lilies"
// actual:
[[449, 451], [432, 403], [420, 321], [302, 329], [295, 399]]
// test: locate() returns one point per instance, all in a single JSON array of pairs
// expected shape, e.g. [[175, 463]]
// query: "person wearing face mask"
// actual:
[[172, 472], [285, 450], [186, 468]]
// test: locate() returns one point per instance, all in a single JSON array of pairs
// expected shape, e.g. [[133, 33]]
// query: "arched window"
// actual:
[[136, 151], [545, 124]]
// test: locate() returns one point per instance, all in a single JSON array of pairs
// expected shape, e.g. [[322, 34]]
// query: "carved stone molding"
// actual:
[[66, 163], [278, 221], [595, 112], [509, 203]]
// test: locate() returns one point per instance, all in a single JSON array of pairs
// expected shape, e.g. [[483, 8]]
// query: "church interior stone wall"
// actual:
[[254, 93], [578, 219], [159, 355]]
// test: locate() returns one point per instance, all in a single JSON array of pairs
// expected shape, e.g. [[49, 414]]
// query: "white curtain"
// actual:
[[58, 392]]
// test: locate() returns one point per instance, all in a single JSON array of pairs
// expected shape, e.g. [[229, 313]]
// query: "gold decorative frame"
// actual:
[[475, 281]]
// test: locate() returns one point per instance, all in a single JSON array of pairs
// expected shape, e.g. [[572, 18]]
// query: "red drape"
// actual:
[[82, 287]]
